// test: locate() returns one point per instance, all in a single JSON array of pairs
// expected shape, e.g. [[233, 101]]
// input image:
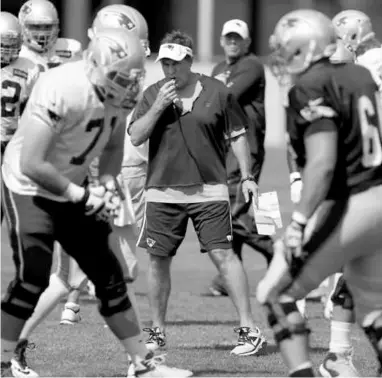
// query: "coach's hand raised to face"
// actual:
[[166, 95]]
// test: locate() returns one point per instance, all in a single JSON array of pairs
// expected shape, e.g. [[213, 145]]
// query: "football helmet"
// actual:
[[118, 15], [300, 39], [40, 24], [115, 65], [353, 27], [10, 37]]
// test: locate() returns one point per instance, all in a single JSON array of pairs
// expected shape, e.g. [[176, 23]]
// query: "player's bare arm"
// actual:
[[241, 150], [39, 136], [142, 128], [321, 158]]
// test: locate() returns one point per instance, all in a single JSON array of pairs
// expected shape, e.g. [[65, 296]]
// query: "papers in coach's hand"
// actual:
[[267, 216]]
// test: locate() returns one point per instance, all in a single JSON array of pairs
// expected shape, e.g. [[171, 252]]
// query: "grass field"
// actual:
[[200, 328]]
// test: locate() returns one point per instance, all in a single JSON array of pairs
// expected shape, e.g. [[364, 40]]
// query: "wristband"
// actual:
[[301, 219], [74, 193], [248, 178], [295, 176]]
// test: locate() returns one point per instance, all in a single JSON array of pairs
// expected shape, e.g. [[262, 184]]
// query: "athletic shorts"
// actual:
[[165, 225]]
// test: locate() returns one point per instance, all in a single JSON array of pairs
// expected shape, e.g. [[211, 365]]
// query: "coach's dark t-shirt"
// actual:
[[190, 149], [245, 79]]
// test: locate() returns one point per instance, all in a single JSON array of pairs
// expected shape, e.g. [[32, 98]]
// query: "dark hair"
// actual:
[[178, 37], [371, 43]]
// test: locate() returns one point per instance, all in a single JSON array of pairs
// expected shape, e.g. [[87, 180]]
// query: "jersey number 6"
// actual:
[[9, 103], [371, 135]]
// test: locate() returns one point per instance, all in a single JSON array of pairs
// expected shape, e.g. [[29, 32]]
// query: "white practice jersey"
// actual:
[[372, 60], [65, 50], [134, 156], [64, 100], [17, 81]]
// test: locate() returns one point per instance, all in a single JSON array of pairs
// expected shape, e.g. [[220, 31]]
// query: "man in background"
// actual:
[[243, 74]]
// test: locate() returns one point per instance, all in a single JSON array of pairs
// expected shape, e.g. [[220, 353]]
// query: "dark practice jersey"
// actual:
[[347, 94], [245, 79]]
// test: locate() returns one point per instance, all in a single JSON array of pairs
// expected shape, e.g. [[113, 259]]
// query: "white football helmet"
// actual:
[[10, 37], [40, 24], [300, 39], [353, 27], [118, 15], [115, 65]]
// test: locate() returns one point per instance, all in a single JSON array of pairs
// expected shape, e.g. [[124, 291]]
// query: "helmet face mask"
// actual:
[[40, 24], [115, 65], [354, 28], [10, 38]]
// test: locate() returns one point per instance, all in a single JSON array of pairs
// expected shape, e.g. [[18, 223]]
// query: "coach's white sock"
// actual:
[[136, 348], [7, 350], [340, 341]]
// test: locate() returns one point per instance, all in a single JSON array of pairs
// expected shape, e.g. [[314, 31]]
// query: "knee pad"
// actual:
[[372, 326], [21, 299], [285, 320], [113, 299], [342, 296]]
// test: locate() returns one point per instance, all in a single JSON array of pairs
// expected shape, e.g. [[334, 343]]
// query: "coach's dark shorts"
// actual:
[[165, 225]]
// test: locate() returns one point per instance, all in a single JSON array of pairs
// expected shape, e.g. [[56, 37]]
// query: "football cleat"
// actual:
[[338, 365], [6, 369], [71, 314], [250, 342], [19, 365], [156, 340], [153, 366]]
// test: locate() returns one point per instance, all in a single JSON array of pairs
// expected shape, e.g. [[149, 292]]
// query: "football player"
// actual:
[[69, 278], [334, 126], [18, 76], [76, 112], [40, 25]]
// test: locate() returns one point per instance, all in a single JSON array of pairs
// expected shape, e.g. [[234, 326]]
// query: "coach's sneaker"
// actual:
[[71, 314], [250, 342], [157, 338], [338, 365], [19, 366], [6, 370], [153, 366]]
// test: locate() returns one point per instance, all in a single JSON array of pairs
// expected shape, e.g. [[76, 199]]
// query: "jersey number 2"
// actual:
[[9, 103], [371, 135]]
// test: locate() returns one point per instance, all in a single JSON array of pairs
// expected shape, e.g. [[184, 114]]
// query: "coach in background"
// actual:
[[187, 118], [243, 74]]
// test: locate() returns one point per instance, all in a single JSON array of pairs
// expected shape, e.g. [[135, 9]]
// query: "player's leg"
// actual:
[[212, 223], [75, 279], [86, 240], [163, 230], [338, 361], [123, 243], [31, 237]]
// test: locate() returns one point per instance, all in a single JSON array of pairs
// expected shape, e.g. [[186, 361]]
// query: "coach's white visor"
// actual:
[[173, 51]]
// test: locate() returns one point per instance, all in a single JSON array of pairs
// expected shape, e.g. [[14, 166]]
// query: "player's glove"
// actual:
[[295, 187], [293, 239]]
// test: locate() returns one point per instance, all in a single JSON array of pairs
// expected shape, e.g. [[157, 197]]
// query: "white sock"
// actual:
[[340, 341], [72, 306], [136, 348], [7, 350], [305, 365]]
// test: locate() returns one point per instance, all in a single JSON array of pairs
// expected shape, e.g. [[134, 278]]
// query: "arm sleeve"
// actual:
[[248, 75], [236, 120], [46, 105]]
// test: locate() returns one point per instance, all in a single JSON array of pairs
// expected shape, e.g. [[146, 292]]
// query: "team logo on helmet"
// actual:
[[119, 20], [26, 9]]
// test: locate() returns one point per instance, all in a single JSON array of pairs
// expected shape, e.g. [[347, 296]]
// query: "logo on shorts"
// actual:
[[150, 242], [229, 238]]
